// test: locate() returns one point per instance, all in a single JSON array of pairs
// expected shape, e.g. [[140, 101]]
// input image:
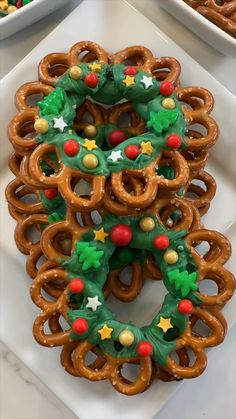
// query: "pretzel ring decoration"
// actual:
[[139, 155], [83, 305]]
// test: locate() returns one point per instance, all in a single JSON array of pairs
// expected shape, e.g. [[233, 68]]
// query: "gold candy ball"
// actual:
[[75, 72], [11, 9], [171, 257], [168, 103], [126, 338], [147, 224], [90, 161], [90, 131], [41, 125]]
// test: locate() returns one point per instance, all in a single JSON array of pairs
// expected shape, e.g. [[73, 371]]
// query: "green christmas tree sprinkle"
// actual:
[[53, 103], [162, 120], [183, 281], [89, 256]]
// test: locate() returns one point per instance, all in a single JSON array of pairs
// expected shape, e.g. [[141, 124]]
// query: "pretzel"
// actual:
[[222, 15], [108, 366]]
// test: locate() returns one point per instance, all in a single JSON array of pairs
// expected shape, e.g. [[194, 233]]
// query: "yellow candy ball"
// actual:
[[90, 131], [171, 257], [168, 103], [41, 125], [11, 9], [4, 5], [75, 72], [147, 224], [126, 338], [90, 161]]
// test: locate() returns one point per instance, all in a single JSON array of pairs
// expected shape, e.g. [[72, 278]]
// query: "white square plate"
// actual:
[[27, 15], [197, 23], [114, 25]]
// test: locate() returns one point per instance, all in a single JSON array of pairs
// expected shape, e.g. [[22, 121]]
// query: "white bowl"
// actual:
[[27, 15], [198, 24]]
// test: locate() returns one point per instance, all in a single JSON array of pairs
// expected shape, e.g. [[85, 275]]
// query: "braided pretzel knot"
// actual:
[[223, 15]]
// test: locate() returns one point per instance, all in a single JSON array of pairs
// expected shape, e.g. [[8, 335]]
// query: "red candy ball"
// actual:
[[166, 88], [161, 242], [76, 285], [50, 193], [174, 141], [71, 148], [80, 326], [185, 306], [121, 235], [144, 348], [91, 80], [116, 137], [130, 70], [132, 151]]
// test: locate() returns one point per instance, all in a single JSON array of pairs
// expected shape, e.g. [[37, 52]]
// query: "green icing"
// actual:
[[56, 207], [100, 257], [111, 88]]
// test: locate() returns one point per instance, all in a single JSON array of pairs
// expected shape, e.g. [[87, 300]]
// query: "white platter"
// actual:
[[197, 23], [90, 400], [27, 15]]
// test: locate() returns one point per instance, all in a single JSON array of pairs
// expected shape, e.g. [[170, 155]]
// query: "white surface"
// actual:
[[27, 15], [201, 26], [27, 349]]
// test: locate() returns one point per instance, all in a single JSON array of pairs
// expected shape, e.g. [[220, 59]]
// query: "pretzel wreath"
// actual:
[[222, 14], [78, 150], [94, 326]]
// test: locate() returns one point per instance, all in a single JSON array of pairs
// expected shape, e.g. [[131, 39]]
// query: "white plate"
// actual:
[[89, 400], [197, 23], [27, 15]]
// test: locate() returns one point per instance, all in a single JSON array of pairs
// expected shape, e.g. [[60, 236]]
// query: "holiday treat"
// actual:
[[110, 245], [108, 193], [7, 7], [64, 149], [222, 13]]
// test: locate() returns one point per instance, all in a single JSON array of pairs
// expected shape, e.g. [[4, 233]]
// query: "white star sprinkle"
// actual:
[[115, 156], [147, 81], [59, 123], [93, 303]]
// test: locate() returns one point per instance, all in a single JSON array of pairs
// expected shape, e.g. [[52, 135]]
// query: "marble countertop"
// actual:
[[22, 394]]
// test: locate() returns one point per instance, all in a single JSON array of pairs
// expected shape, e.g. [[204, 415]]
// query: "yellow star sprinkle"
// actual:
[[147, 148], [70, 131], [90, 144], [129, 81], [95, 67], [100, 235], [165, 324], [105, 332]]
